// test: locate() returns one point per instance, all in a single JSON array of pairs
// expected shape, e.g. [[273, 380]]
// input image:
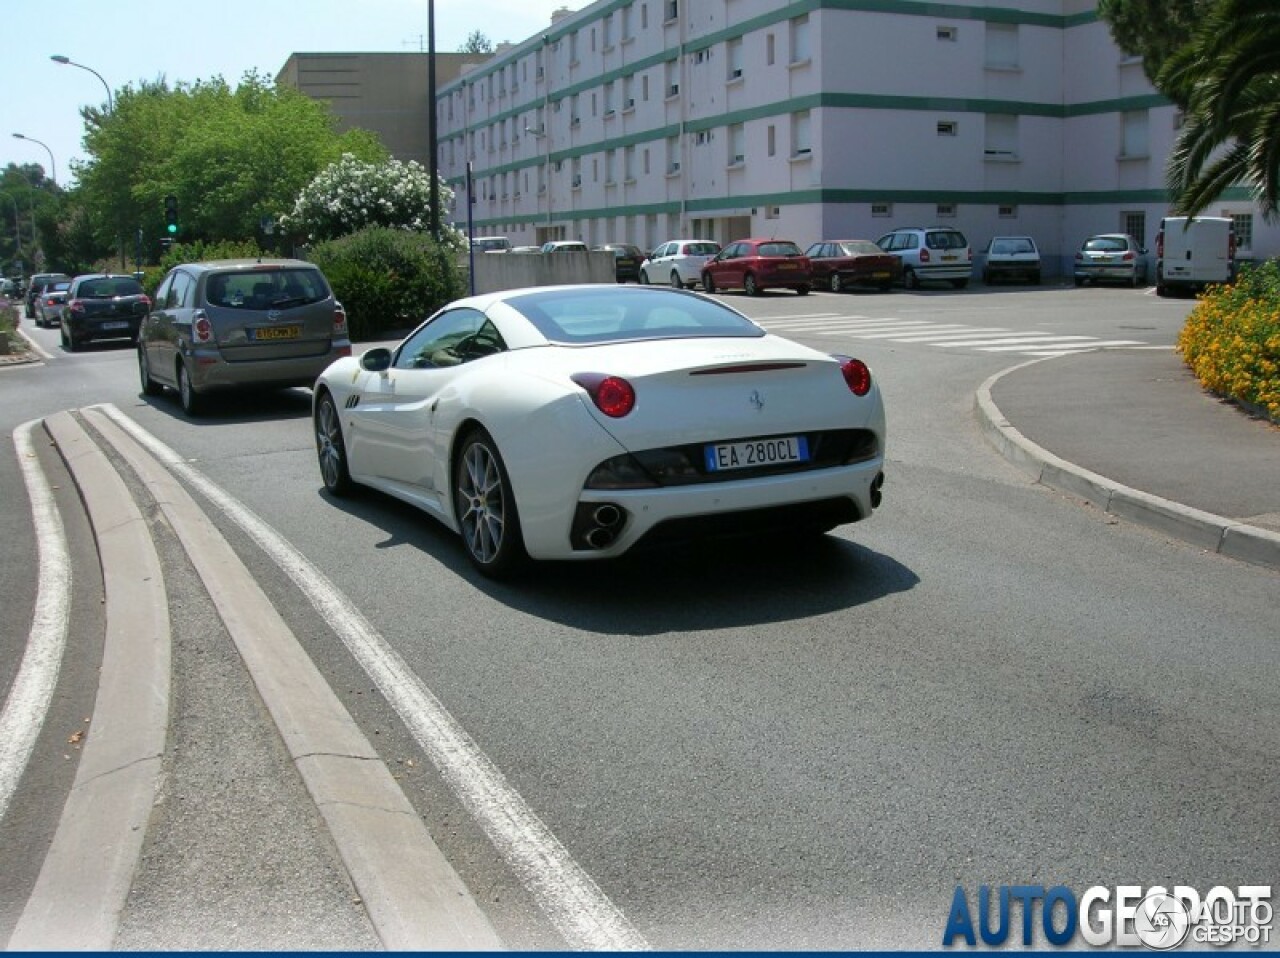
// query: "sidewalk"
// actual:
[[1133, 432]]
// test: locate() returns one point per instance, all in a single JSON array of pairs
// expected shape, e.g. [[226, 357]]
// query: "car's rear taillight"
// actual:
[[924, 256], [857, 375], [201, 328], [76, 307], [1160, 245], [1128, 256], [612, 395], [339, 320]]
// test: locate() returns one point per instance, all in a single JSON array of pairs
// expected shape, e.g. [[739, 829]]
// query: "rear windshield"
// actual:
[[579, 317], [945, 239], [780, 248], [1107, 243], [701, 249], [109, 287], [1007, 246], [266, 288], [860, 248]]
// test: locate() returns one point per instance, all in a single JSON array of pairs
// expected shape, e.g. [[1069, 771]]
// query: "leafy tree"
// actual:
[[350, 195], [1229, 77], [476, 42], [231, 156], [1152, 29]]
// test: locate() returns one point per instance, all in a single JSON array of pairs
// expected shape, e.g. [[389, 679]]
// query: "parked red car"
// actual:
[[755, 265], [839, 264]]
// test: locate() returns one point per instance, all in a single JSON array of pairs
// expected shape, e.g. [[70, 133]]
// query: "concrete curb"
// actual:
[[414, 898], [1208, 531], [84, 882]]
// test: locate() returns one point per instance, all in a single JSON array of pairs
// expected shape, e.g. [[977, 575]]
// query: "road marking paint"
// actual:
[[940, 331], [1069, 347], [572, 901], [32, 690], [1032, 339]]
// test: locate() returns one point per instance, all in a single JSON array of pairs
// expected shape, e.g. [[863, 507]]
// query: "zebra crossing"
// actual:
[[954, 336]]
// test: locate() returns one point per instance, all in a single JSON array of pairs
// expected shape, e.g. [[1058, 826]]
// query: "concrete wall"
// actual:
[[499, 271]]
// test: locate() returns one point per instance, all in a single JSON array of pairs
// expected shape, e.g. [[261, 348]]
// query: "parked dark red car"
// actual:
[[840, 264], [755, 265]]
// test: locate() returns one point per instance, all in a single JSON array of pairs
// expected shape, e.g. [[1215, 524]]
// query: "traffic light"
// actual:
[[171, 215]]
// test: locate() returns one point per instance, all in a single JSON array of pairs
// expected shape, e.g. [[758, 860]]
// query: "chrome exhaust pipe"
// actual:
[[607, 515], [601, 537]]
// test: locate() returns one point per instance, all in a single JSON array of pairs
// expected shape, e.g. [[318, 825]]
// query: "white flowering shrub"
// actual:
[[351, 195]]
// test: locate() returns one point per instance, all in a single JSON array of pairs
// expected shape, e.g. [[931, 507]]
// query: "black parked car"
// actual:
[[627, 260], [103, 306]]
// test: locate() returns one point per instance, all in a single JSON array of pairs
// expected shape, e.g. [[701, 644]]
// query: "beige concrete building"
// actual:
[[385, 93]]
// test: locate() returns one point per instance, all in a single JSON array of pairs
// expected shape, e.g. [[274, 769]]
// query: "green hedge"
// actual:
[[388, 280], [1231, 340]]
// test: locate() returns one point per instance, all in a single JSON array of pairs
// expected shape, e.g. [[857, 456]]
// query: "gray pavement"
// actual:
[[1134, 433]]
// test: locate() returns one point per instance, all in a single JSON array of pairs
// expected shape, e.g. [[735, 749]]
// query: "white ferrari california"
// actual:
[[576, 422]]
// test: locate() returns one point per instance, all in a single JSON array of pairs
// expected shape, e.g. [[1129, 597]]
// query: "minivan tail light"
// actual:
[[201, 328], [924, 256], [339, 320], [1160, 245]]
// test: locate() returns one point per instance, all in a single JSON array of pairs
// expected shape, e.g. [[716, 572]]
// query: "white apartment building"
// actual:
[[644, 120]]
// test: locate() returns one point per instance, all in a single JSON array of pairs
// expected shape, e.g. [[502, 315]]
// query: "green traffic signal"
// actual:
[[171, 214]]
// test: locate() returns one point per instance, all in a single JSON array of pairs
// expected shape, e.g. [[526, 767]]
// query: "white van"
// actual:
[[1192, 253]]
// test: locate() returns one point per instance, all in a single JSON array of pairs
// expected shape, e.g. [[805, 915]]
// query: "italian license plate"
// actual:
[[116, 324], [272, 333], [948, 257], [751, 453], [880, 275]]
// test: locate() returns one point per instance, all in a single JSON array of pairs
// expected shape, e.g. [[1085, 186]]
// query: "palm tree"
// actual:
[[1229, 76]]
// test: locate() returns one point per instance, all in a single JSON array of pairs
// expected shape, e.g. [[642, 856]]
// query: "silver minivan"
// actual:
[[239, 324]]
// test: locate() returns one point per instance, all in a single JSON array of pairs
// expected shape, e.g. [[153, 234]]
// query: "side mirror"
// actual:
[[376, 360]]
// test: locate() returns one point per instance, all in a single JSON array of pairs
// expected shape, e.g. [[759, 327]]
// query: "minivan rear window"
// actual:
[[266, 288], [945, 239]]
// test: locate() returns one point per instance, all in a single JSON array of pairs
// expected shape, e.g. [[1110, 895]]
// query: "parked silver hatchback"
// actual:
[[239, 324]]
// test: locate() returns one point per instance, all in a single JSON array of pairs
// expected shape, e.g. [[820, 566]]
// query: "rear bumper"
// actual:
[[210, 371], [88, 330]]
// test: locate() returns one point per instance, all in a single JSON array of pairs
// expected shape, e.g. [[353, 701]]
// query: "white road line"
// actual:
[[802, 316], [32, 690], [572, 901], [851, 325], [1068, 347], [939, 331], [974, 332], [1031, 339]]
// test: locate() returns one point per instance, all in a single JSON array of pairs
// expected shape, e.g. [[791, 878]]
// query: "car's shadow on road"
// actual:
[[712, 584], [232, 408]]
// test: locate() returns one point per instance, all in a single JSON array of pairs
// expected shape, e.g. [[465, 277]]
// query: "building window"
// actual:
[[948, 33], [1135, 224], [1001, 141], [1002, 46], [772, 212], [769, 45], [673, 155], [1134, 140], [735, 59], [800, 52], [671, 10], [772, 137], [801, 145], [1007, 212], [946, 211], [673, 78], [737, 144], [947, 128], [1244, 230], [882, 210]]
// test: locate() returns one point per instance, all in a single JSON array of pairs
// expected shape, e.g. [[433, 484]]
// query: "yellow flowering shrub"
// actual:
[[1231, 340]]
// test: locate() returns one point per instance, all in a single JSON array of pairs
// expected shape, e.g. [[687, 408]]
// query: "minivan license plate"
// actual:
[[756, 452], [275, 332]]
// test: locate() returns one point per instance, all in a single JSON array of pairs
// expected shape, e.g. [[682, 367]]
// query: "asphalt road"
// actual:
[[743, 748]]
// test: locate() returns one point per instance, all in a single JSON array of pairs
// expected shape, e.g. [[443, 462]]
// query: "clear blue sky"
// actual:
[[128, 41]]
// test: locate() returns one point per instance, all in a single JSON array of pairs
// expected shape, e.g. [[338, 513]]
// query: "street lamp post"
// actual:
[[53, 169], [67, 61]]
